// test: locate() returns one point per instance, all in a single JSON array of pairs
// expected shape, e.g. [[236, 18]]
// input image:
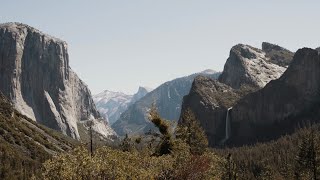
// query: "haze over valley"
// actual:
[[160, 91]]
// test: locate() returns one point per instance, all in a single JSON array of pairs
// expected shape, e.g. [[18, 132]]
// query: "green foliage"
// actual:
[[170, 158], [307, 161], [280, 159], [108, 163], [24, 145], [126, 144], [229, 166], [160, 123], [166, 144], [190, 131]]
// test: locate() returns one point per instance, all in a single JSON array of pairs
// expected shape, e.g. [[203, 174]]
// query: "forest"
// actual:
[[183, 153], [180, 153]]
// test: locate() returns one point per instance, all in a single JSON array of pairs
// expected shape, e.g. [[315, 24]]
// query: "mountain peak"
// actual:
[[249, 65], [144, 89], [208, 71], [112, 104]]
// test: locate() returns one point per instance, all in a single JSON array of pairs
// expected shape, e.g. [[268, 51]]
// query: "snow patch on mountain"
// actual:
[[112, 104]]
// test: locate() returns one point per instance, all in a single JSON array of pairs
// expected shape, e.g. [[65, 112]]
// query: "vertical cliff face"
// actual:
[[35, 75], [210, 102], [285, 103]]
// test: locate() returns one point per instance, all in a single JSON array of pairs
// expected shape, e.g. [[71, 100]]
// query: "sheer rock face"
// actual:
[[285, 103], [35, 75], [209, 100], [247, 65]]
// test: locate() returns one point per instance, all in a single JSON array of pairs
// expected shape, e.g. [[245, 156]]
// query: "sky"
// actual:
[[120, 45]]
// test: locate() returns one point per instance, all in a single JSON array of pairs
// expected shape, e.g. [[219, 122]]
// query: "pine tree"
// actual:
[[307, 160], [126, 144], [229, 169], [190, 131], [166, 143]]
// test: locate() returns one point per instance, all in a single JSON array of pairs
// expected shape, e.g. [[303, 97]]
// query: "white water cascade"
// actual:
[[228, 126]]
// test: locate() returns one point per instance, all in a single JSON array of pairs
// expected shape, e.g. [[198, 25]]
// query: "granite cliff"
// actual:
[[283, 105], [36, 77], [209, 100], [255, 67], [247, 70]]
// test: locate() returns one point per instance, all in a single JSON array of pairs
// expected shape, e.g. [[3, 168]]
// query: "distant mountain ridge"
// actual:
[[167, 99], [112, 104]]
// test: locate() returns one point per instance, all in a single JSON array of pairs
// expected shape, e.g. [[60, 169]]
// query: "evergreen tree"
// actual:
[[126, 144], [229, 169], [307, 161], [166, 143], [190, 131]]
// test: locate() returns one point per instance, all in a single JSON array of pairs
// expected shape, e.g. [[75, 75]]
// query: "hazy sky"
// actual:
[[122, 44]]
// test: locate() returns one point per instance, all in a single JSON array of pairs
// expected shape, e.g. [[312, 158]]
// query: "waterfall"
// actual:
[[228, 127]]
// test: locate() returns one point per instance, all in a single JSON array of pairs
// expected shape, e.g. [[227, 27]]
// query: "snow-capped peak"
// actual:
[[111, 104]]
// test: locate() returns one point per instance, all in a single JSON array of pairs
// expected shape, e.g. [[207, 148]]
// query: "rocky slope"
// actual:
[[253, 66], [35, 76], [277, 54], [167, 98], [112, 104], [283, 105], [24, 144]]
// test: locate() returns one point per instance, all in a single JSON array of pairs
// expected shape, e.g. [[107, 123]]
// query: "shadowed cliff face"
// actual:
[[35, 75], [210, 100], [288, 102]]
